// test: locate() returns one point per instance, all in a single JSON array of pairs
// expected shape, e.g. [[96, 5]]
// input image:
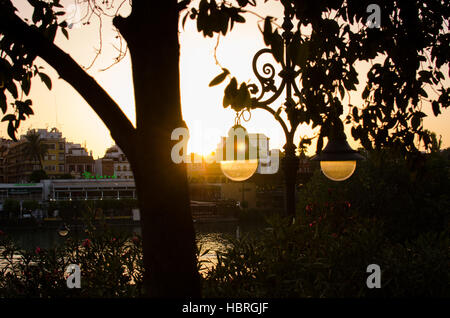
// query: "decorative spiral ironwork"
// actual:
[[266, 80]]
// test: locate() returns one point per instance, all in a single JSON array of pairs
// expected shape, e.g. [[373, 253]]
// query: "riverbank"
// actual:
[[53, 223]]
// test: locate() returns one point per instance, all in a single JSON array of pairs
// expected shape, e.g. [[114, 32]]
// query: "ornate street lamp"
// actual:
[[338, 160], [63, 230], [238, 162]]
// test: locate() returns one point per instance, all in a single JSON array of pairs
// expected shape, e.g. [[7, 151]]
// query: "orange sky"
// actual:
[[207, 120]]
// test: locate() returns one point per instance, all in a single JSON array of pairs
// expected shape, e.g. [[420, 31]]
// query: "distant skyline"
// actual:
[[63, 108]]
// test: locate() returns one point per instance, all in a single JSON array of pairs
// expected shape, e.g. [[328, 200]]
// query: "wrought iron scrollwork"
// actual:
[[266, 79]]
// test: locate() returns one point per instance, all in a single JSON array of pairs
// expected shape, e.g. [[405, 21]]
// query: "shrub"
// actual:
[[309, 259], [409, 202], [11, 208], [386, 214], [110, 262]]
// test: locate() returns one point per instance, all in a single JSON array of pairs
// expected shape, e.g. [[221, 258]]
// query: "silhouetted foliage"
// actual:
[[385, 214], [35, 149], [408, 203], [316, 257], [110, 262], [408, 54]]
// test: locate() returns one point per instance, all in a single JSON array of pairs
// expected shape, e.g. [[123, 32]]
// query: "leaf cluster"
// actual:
[[17, 63], [110, 261], [213, 17], [322, 49]]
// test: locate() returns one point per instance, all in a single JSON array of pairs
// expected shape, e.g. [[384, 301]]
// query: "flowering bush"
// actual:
[[110, 263]]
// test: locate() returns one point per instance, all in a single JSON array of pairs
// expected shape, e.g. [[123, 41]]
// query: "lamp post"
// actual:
[[338, 160]]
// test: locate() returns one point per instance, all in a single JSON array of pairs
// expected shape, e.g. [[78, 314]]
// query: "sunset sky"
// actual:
[[207, 120]]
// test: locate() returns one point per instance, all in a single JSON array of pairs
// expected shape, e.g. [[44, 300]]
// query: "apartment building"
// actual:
[[17, 165], [114, 163], [78, 160], [54, 161]]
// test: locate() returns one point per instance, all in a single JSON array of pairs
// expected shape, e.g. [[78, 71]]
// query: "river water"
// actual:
[[210, 236]]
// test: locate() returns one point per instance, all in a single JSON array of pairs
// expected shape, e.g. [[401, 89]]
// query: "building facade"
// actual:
[[78, 161], [114, 163], [17, 165], [54, 161]]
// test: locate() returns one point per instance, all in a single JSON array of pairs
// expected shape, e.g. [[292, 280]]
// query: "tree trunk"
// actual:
[[162, 188], [151, 32]]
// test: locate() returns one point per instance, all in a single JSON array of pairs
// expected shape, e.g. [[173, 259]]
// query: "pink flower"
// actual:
[[308, 208], [347, 204], [38, 250], [334, 235], [86, 243], [135, 239]]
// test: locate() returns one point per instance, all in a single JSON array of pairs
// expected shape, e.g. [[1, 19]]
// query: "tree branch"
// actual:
[[122, 130]]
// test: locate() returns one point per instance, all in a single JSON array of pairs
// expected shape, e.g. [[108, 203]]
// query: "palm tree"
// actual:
[[34, 148]]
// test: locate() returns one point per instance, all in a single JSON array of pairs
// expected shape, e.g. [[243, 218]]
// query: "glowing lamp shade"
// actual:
[[238, 163], [338, 159], [63, 230], [338, 170], [239, 170]]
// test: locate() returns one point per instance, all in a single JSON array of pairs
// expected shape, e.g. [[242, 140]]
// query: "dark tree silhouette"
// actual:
[[167, 228], [38, 175], [413, 42], [317, 45]]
